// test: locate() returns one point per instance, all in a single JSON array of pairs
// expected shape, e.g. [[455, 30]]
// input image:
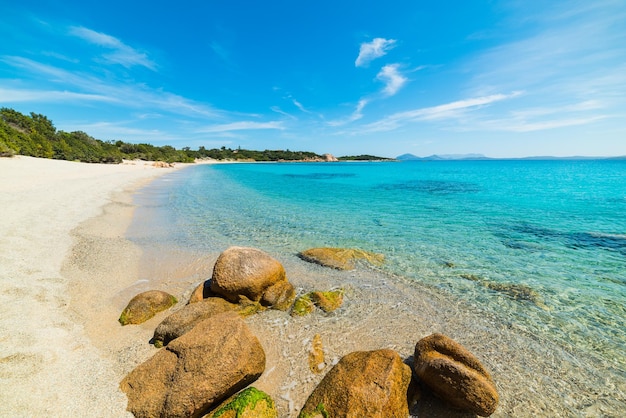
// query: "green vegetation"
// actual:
[[303, 306], [35, 135], [246, 401], [364, 157], [318, 412]]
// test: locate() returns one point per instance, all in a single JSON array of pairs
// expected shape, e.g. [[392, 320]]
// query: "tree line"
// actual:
[[35, 135]]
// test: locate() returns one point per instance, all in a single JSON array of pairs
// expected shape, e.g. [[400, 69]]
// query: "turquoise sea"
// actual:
[[537, 244]]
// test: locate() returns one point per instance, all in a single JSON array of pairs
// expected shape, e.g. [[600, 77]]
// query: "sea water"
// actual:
[[537, 244]]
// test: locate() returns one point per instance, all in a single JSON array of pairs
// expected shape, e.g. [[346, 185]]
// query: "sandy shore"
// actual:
[[48, 363]]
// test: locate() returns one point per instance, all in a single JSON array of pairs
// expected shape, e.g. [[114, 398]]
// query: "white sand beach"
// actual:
[[48, 365]]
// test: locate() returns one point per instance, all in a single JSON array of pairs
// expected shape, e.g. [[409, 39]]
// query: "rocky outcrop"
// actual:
[[214, 360], [189, 316], [145, 305], [455, 375], [251, 274], [340, 258], [330, 158], [249, 403], [363, 384]]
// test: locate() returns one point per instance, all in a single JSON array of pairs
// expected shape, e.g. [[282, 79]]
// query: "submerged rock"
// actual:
[[242, 272], [303, 306], [369, 384], [327, 301], [340, 258], [249, 403], [513, 290], [316, 355], [214, 360], [455, 375], [145, 305]]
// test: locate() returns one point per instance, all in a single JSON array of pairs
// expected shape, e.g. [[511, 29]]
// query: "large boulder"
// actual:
[[145, 305], [249, 403], [340, 258], [249, 273], [455, 375], [216, 359], [188, 317], [369, 384]]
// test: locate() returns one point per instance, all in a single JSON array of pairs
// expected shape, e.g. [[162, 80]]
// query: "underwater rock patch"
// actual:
[[340, 258]]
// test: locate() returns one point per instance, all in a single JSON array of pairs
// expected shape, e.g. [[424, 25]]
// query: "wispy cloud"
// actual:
[[25, 95], [278, 110], [544, 118], [356, 115], [444, 111], [369, 51], [126, 95], [121, 53], [392, 78], [241, 126], [300, 106]]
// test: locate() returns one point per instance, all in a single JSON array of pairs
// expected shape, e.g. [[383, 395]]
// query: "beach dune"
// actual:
[[48, 364]]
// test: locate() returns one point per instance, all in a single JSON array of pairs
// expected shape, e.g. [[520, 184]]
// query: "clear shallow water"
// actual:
[[539, 244]]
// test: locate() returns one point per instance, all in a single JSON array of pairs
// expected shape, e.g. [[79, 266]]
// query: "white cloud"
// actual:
[[241, 126], [121, 53], [392, 78], [300, 106], [282, 112], [369, 51], [26, 95], [131, 96], [356, 115], [445, 111]]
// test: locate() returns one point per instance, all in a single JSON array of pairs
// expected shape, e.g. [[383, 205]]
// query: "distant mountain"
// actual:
[[444, 157]]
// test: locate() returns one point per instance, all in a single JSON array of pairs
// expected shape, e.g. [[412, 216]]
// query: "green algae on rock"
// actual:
[[303, 306], [327, 301], [318, 412], [145, 305], [249, 403]]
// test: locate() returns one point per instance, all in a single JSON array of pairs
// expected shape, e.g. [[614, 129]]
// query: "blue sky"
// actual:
[[501, 78]]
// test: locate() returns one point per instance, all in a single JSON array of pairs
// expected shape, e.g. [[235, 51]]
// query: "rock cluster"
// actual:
[[211, 355]]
